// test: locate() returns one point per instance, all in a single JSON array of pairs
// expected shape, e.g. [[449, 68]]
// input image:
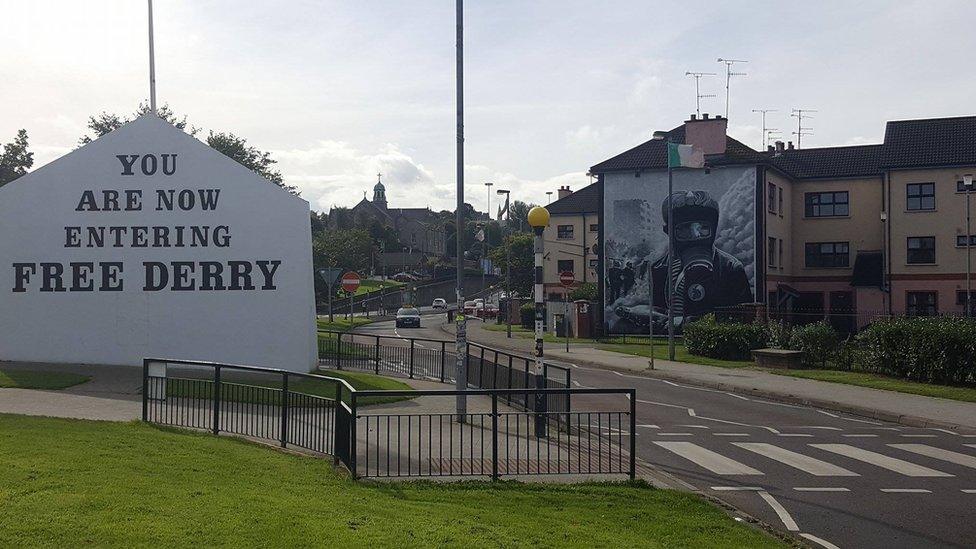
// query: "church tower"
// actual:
[[379, 193]]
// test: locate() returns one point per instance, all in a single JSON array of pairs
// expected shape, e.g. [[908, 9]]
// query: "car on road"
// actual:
[[439, 303], [407, 317]]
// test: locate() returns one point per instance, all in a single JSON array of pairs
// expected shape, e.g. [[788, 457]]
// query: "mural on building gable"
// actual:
[[715, 241]]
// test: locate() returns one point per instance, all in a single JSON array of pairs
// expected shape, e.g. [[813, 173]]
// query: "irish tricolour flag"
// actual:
[[685, 156]]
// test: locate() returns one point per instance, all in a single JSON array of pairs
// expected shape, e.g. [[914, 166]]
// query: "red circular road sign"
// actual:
[[350, 281], [566, 278]]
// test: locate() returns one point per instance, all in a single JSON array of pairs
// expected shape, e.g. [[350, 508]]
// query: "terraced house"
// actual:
[[844, 233]]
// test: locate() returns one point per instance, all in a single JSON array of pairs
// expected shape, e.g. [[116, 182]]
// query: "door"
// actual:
[[842, 311]]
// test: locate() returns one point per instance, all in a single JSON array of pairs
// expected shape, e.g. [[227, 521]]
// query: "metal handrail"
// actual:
[[261, 369]]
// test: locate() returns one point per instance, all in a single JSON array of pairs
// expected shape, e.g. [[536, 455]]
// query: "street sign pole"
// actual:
[[350, 283], [567, 279]]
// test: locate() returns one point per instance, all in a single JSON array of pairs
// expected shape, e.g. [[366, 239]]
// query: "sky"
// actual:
[[339, 91]]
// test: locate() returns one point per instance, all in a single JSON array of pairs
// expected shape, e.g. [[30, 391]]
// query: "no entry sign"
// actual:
[[350, 281], [566, 278]]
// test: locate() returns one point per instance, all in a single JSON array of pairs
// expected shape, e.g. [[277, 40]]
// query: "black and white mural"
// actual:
[[714, 263]]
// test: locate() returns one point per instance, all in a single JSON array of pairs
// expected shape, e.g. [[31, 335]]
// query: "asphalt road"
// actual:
[[834, 479]]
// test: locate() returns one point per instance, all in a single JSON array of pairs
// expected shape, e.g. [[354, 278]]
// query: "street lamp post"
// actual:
[[967, 181], [670, 265], [508, 268], [487, 231], [538, 220]]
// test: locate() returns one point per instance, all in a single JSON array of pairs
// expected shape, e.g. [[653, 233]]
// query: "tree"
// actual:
[[14, 158], [343, 249], [523, 261], [518, 222], [256, 160], [586, 290]]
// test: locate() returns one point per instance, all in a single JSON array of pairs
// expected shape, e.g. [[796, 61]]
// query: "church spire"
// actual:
[[379, 192]]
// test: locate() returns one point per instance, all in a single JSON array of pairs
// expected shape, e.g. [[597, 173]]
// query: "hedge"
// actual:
[[818, 341], [931, 350], [726, 340]]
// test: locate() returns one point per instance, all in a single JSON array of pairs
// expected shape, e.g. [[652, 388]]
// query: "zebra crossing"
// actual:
[[815, 459]]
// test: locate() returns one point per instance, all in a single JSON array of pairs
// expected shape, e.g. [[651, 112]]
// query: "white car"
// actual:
[[439, 303]]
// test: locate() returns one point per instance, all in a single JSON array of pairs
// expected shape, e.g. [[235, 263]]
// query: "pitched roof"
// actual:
[[653, 154], [829, 162], [585, 200], [930, 142], [868, 269]]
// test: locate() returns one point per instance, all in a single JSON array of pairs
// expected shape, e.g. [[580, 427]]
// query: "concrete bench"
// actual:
[[778, 358]]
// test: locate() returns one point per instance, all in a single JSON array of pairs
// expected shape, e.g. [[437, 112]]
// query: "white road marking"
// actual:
[[740, 397], [675, 434], [822, 427], [859, 435], [695, 426], [794, 434], [648, 426], [919, 436], [827, 413], [738, 488], [892, 464], [820, 541], [821, 489], [731, 434], [946, 431], [968, 491], [708, 459], [965, 460], [906, 491], [781, 512], [804, 463]]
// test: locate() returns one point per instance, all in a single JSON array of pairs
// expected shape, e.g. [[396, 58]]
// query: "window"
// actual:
[[594, 227], [781, 204], [921, 196], [594, 263], [961, 186], [564, 232], [781, 253], [922, 304], [921, 249], [961, 240], [564, 265], [771, 254], [825, 255], [771, 199], [961, 297], [830, 204]]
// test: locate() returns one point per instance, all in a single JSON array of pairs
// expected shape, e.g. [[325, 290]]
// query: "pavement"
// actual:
[[114, 393], [902, 408], [832, 478]]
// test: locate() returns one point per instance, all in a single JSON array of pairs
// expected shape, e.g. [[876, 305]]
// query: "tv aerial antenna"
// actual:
[[698, 94], [729, 73], [801, 130], [764, 128]]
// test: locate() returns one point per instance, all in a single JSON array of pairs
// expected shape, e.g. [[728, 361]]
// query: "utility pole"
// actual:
[[487, 246], [152, 63], [729, 73], [800, 114], [764, 129], [508, 266], [460, 339], [698, 94], [548, 197]]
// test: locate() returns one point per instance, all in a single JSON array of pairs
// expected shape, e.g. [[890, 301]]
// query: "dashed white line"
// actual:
[[675, 434], [827, 413], [822, 427], [781, 512], [731, 434], [906, 491], [695, 426], [859, 435], [819, 541], [648, 426], [946, 431], [968, 491], [794, 434], [738, 488], [821, 489]]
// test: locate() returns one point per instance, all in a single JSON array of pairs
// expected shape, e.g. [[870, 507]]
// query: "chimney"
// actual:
[[779, 148], [789, 145], [563, 192], [770, 148], [707, 134], [694, 117]]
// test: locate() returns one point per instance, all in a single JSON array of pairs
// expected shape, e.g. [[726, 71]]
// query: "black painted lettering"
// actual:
[[72, 237], [160, 237], [198, 236], [211, 275], [164, 201], [167, 168], [87, 202], [186, 199], [22, 274], [208, 198], [181, 276], [221, 236], [268, 269], [240, 275], [81, 279], [139, 236], [133, 200], [111, 276], [51, 277], [110, 201], [148, 164], [117, 233], [96, 237], [127, 161], [157, 276]]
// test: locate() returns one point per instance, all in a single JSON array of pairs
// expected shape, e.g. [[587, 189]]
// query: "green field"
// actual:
[[368, 285], [72, 483], [876, 381], [30, 379]]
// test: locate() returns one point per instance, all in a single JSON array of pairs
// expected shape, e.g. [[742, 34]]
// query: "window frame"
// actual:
[[560, 269], [809, 206], [771, 251], [920, 196], [911, 309], [961, 241], [560, 235], [594, 227], [807, 246], [908, 250], [771, 198], [961, 187]]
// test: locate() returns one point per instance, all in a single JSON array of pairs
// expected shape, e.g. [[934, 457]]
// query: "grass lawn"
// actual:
[[327, 389], [71, 483], [30, 379], [877, 381], [341, 324], [368, 285]]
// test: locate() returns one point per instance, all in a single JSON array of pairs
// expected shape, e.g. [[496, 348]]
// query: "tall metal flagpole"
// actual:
[[460, 341], [152, 63]]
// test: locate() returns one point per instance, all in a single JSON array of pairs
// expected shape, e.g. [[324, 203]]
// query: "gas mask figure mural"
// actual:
[[703, 276]]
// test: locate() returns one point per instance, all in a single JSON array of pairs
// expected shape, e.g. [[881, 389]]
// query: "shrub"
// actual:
[[778, 335], [818, 341], [930, 350], [586, 290], [728, 341], [527, 315]]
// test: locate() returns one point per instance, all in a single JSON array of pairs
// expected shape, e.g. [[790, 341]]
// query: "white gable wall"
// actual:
[[263, 327]]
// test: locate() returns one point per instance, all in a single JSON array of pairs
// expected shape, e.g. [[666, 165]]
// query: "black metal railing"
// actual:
[[327, 415]]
